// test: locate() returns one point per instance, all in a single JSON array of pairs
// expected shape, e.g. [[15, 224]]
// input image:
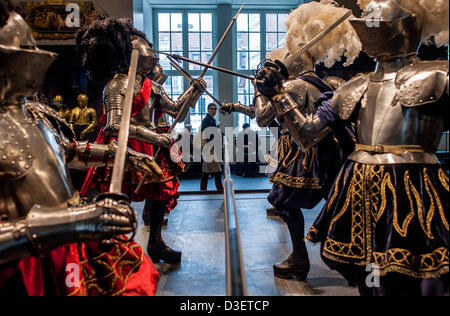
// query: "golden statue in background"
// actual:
[[83, 119], [58, 103]]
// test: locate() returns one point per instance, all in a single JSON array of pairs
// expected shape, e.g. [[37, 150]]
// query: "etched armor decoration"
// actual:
[[83, 119], [64, 112]]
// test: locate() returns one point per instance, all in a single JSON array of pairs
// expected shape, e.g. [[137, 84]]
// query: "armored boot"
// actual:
[[297, 265], [157, 248]]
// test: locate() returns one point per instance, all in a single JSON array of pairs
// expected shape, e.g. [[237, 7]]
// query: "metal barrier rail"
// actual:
[[236, 281]]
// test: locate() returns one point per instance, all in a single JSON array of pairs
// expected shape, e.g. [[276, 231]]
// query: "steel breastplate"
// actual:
[[44, 179], [382, 120]]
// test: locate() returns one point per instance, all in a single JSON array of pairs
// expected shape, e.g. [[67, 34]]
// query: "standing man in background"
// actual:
[[214, 166]]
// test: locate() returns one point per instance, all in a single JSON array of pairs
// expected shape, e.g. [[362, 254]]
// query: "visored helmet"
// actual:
[[296, 65], [388, 30], [24, 65], [147, 59]]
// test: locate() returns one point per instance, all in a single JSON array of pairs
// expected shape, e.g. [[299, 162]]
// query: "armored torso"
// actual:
[[406, 109], [32, 165]]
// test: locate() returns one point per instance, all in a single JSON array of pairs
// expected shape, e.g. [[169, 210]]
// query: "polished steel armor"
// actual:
[[142, 125], [18, 50], [386, 30], [39, 208], [400, 110]]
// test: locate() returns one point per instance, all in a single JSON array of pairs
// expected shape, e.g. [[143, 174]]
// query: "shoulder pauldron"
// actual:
[[349, 95], [298, 89], [49, 116], [422, 82]]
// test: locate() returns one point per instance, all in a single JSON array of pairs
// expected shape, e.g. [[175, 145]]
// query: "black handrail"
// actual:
[[236, 282]]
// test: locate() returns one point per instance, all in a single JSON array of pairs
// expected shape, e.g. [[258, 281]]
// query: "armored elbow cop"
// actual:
[[307, 130]]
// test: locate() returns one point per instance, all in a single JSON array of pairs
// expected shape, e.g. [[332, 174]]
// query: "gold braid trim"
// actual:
[[335, 193], [438, 203], [361, 194], [403, 231], [376, 180], [427, 227], [90, 280], [444, 179], [293, 159], [305, 159], [354, 249], [431, 265], [311, 233], [296, 182], [396, 260]]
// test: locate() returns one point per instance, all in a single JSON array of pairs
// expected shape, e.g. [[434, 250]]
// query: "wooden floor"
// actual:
[[196, 227]]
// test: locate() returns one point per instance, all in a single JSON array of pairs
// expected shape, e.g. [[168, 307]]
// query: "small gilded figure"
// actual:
[[64, 111], [83, 119]]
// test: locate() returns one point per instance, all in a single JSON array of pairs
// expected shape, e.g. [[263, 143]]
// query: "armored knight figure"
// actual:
[[39, 208], [389, 206], [114, 96], [64, 112], [83, 119], [150, 103], [303, 177]]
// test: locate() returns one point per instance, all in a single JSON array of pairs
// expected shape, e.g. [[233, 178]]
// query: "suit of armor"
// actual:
[[83, 119], [114, 96], [63, 111], [39, 208], [389, 206], [302, 177], [146, 134]]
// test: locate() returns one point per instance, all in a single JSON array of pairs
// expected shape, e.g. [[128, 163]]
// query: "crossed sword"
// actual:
[[120, 157]]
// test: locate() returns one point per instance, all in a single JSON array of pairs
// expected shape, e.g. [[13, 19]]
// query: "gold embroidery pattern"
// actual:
[[355, 249], [444, 179], [312, 234], [405, 260], [335, 193], [402, 231], [92, 280], [309, 153], [429, 184], [376, 177], [369, 187], [296, 182], [427, 227]]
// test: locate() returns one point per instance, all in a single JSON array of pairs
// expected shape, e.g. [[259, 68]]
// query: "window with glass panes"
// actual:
[[191, 34], [258, 33]]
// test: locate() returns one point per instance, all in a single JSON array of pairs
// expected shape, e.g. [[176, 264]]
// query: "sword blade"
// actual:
[[189, 78], [224, 70], [224, 36], [120, 156]]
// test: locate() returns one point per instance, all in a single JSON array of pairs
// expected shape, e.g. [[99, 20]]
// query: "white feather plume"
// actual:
[[309, 19]]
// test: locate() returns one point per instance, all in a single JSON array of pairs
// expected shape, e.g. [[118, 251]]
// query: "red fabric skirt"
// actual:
[[83, 270]]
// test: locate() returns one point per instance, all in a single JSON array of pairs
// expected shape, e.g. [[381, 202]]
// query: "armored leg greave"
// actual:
[[298, 262], [157, 248]]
